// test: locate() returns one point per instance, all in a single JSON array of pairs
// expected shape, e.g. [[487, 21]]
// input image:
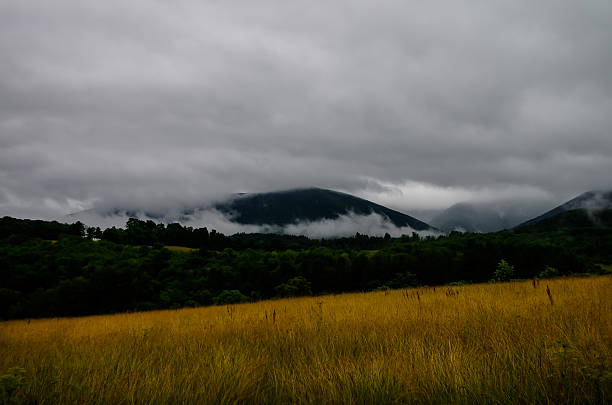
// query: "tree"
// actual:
[[230, 297], [91, 233], [549, 272], [403, 280], [295, 287], [504, 271], [77, 229]]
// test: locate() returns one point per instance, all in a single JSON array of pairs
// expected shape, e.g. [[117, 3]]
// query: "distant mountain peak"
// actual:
[[307, 204]]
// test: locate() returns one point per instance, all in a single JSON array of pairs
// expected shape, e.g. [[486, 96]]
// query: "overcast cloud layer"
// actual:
[[415, 105]]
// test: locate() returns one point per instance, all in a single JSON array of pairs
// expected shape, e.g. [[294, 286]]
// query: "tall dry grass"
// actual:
[[489, 343]]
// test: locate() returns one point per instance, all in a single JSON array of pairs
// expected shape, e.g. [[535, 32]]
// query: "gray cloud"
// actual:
[[144, 104]]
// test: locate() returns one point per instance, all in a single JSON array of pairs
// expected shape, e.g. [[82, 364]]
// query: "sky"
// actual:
[[414, 105]]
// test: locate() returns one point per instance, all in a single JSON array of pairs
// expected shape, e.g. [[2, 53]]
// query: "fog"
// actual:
[[343, 226]]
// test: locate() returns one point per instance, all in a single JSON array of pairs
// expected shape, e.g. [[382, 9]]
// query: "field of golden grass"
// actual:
[[487, 343]]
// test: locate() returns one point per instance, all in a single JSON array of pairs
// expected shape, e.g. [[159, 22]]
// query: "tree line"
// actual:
[[52, 269]]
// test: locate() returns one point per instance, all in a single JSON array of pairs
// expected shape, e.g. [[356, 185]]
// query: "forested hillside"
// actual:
[[51, 269]]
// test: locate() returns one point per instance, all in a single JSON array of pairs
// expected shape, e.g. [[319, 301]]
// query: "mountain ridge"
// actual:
[[308, 204], [589, 201]]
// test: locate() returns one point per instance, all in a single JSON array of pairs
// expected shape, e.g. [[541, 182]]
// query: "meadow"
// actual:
[[548, 342]]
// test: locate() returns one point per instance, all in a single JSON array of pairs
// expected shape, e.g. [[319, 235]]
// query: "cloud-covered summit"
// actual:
[[155, 105], [313, 212]]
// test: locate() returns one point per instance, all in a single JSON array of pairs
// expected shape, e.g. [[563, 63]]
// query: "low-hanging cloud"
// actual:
[[159, 105], [350, 224], [342, 226]]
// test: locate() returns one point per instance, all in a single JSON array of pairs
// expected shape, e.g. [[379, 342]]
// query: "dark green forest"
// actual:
[[51, 269]]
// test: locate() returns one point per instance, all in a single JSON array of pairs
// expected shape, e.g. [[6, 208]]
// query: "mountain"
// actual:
[[591, 201], [312, 204], [313, 209]]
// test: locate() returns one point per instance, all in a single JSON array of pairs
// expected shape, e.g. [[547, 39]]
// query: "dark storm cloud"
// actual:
[[161, 103]]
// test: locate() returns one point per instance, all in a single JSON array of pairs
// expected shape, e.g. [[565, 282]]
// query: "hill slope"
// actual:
[[590, 201], [313, 204], [573, 219]]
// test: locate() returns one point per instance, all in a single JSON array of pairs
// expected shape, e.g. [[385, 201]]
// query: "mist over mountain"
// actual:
[[313, 212], [590, 202], [493, 216], [485, 217], [322, 213], [313, 204]]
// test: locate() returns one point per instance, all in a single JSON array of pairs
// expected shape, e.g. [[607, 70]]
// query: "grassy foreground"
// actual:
[[488, 343]]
